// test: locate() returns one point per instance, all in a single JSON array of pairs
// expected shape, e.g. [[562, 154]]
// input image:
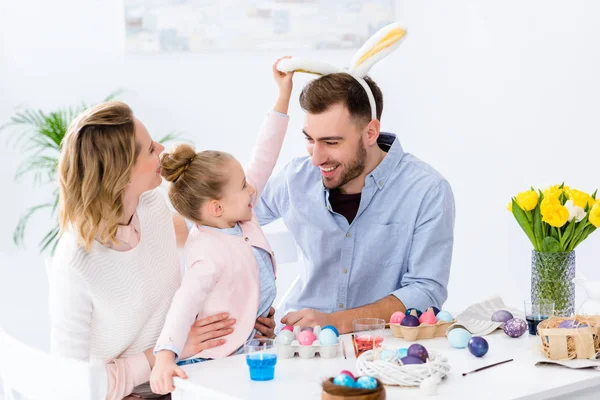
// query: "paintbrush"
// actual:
[[354, 345], [486, 367]]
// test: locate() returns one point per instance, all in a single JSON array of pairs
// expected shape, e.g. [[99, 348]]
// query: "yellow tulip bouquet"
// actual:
[[556, 220]]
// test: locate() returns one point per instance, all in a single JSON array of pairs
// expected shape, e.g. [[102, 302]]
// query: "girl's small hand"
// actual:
[[161, 378], [283, 79]]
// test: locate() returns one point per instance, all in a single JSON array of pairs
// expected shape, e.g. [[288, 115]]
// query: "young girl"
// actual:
[[230, 264]]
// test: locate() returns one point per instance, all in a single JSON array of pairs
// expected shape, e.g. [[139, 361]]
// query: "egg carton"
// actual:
[[423, 331], [307, 351]]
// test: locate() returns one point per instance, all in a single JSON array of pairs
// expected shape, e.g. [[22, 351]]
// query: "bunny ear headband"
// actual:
[[382, 43]]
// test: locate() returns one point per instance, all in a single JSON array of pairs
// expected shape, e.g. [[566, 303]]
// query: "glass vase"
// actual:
[[552, 277]]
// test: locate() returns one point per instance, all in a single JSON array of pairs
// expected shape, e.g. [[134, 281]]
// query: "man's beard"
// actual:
[[352, 170]]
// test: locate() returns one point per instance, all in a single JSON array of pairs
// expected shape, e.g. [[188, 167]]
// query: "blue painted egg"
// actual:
[[417, 350], [328, 337], [444, 316], [478, 346], [403, 352], [333, 328], [285, 337], [515, 327], [459, 338], [419, 312], [366, 382], [410, 320], [411, 360], [344, 380]]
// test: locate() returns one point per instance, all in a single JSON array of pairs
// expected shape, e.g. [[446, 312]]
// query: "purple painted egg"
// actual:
[[434, 309], [478, 346], [515, 327], [411, 360], [417, 350], [410, 320], [502, 316], [307, 328], [571, 324]]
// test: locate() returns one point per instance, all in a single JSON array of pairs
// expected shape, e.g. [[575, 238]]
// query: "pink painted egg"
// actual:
[[428, 317], [397, 317], [288, 328], [306, 338]]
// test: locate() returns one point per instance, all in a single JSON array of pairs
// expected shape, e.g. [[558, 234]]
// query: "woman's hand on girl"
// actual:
[[204, 332]]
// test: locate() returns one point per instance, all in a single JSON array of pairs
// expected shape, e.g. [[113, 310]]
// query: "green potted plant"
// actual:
[[39, 135]]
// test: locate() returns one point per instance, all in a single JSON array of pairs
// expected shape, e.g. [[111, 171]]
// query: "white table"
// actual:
[[301, 379]]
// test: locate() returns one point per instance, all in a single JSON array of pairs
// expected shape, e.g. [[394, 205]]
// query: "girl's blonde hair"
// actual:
[[196, 178], [97, 157]]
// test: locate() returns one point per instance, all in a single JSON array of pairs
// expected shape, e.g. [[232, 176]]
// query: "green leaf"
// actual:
[[550, 245], [521, 218], [168, 137], [567, 236], [538, 228], [594, 194]]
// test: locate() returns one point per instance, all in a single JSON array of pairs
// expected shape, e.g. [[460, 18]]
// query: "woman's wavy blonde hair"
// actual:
[[97, 157]]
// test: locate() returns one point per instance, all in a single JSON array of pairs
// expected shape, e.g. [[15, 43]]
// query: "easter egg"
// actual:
[[571, 324], [307, 328], [419, 312], [328, 337], [478, 346], [502, 316], [397, 317], [444, 316], [417, 350], [411, 360], [285, 337], [410, 320], [306, 338], [515, 327], [288, 328], [346, 372], [333, 328], [344, 380], [427, 318], [435, 310], [459, 338], [366, 382], [403, 352]]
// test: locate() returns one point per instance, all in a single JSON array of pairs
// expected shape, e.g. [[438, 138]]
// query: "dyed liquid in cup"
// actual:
[[533, 322], [262, 366], [367, 342]]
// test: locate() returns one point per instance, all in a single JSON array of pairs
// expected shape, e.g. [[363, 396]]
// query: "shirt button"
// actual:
[[341, 305], [344, 270], [246, 238], [348, 234]]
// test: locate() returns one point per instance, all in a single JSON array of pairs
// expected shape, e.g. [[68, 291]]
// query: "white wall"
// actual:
[[497, 96]]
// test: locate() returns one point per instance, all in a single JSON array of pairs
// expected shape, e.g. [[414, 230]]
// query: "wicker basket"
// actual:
[[566, 344], [332, 391]]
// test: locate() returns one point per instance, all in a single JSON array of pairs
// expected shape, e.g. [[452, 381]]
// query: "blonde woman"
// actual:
[[116, 267]]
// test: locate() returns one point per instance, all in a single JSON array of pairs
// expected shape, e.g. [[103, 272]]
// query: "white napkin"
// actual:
[[477, 318]]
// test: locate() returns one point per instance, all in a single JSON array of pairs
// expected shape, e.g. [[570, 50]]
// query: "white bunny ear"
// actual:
[[300, 64], [382, 43]]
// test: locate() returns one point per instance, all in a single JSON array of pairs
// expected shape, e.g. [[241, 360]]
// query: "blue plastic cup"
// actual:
[[261, 357]]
